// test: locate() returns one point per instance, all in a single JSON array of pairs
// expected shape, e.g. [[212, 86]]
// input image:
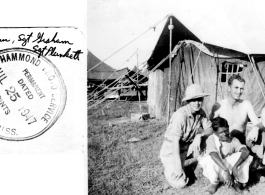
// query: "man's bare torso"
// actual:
[[236, 115]]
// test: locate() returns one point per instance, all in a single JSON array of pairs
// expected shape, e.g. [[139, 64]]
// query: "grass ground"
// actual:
[[118, 166]]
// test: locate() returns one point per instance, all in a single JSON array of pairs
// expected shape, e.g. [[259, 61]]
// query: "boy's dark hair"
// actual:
[[235, 77], [219, 122]]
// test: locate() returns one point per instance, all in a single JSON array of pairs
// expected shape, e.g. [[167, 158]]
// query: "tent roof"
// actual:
[[217, 32], [92, 61], [102, 71]]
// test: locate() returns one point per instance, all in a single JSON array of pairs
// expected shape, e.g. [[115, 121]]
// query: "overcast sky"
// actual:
[[114, 23]]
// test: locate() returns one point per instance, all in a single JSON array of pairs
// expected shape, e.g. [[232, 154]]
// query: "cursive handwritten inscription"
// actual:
[[4, 40], [41, 39], [74, 55], [22, 37], [48, 50]]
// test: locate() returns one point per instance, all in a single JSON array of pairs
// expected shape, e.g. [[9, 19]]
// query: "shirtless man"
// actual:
[[237, 112]]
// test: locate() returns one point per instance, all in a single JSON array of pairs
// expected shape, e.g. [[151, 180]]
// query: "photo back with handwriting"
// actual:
[[41, 82], [43, 125]]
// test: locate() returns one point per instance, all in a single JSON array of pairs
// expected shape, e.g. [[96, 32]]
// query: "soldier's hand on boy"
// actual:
[[253, 134], [195, 146]]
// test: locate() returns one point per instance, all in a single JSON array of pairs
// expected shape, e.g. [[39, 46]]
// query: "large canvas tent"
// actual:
[[197, 61], [99, 71], [103, 81]]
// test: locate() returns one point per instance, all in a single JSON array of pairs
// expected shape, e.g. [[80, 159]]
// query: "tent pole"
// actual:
[[170, 27], [138, 92], [217, 78], [216, 87]]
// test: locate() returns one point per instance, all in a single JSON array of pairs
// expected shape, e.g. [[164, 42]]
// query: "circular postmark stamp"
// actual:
[[32, 94]]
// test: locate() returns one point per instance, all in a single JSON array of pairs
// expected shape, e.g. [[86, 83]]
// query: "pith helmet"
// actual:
[[194, 91]]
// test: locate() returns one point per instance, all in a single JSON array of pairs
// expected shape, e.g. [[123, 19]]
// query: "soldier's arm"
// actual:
[[263, 118], [253, 117], [254, 132]]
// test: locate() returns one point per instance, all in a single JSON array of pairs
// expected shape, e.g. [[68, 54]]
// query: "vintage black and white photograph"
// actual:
[[175, 97]]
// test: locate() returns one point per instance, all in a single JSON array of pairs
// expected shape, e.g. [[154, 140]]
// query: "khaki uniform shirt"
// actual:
[[184, 125]]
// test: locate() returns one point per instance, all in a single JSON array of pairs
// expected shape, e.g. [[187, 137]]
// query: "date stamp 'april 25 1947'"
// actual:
[[32, 94]]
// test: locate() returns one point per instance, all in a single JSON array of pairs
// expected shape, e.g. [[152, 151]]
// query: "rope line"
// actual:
[[152, 69], [113, 83], [114, 91], [114, 71], [92, 93], [104, 100], [196, 62], [117, 80], [162, 61], [154, 26], [124, 84], [108, 105]]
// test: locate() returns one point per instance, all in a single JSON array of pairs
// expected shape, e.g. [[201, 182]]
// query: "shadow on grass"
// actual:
[[190, 172], [254, 177]]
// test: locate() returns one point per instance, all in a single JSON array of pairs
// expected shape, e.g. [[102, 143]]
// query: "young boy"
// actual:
[[226, 159]]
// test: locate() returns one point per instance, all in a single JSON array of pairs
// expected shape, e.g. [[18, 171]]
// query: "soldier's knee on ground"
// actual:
[[180, 183], [176, 182]]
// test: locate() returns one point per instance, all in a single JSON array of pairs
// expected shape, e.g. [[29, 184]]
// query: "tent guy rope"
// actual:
[[118, 79], [115, 71], [143, 61], [154, 67], [153, 27], [196, 62], [102, 100]]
